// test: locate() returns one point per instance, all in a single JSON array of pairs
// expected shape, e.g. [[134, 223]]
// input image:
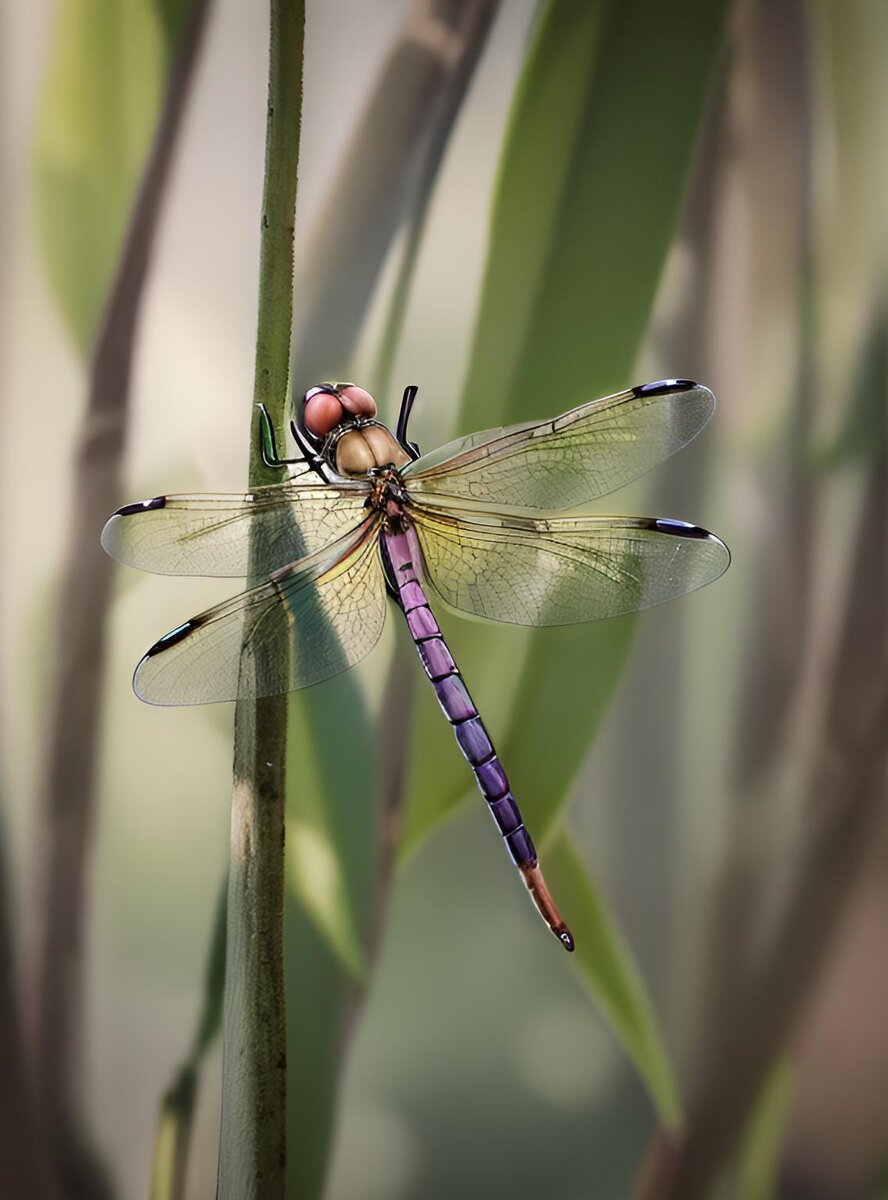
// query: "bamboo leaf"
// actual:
[[591, 178], [172, 15], [102, 92], [319, 993], [760, 1152], [607, 970], [331, 818], [857, 437]]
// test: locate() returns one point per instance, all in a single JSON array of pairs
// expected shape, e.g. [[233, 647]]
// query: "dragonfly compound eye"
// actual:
[[358, 401], [323, 412]]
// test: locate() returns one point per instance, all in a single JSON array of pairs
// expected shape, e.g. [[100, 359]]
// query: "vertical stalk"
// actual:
[[395, 152], [24, 1170], [253, 1141], [172, 1142]]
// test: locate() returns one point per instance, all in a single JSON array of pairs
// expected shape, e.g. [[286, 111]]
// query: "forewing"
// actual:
[[310, 621], [563, 570], [216, 535], [565, 462]]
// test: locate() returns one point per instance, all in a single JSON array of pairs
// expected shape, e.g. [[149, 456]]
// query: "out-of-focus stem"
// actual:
[[252, 1153], [403, 131], [780, 621], [23, 1168], [176, 1118], [477, 19], [844, 787], [67, 801]]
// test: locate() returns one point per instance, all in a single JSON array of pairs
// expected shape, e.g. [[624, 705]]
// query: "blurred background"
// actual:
[[695, 189]]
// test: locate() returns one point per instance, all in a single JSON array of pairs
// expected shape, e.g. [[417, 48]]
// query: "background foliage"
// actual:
[[585, 197]]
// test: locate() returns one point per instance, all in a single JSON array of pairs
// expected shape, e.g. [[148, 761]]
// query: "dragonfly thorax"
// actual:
[[365, 446], [388, 495]]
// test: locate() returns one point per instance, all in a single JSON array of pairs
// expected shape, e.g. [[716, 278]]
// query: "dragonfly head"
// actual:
[[332, 404], [337, 423]]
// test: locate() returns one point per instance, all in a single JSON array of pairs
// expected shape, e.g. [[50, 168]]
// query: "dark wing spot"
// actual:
[[678, 528], [130, 510], [662, 387], [173, 637]]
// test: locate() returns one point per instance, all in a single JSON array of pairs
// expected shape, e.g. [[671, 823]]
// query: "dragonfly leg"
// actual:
[[267, 439], [268, 444], [407, 399]]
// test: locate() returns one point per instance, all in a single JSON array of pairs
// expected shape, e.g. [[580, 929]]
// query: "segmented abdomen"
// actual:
[[454, 698]]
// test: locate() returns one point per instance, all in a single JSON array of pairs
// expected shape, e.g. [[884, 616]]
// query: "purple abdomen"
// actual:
[[403, 550]]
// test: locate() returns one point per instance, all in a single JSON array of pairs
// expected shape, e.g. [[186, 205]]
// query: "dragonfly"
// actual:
[[485, 525]]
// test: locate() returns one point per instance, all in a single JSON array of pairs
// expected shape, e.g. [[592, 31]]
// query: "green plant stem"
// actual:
[[252, 1154]]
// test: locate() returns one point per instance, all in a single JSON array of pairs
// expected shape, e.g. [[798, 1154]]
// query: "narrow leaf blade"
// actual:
[[581, 224], [100, 100], [606, 968], [760, 1152]]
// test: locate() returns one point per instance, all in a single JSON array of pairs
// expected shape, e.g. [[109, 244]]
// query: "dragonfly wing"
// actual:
[[562, 570], [574, 458], [310, 621], [216, 535]]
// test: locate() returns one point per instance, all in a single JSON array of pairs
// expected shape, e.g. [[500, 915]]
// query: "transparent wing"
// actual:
[[562, 570], [583, 454], [212, 535], [310, 621]]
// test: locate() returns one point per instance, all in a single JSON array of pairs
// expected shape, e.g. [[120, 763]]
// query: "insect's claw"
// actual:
[[266, 437]]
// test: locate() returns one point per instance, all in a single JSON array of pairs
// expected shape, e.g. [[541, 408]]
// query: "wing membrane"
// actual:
[[565, 462], [213, 535], [310, 621], [562, 570]]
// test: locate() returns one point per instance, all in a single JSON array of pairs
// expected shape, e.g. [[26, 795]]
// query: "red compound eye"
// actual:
[[358, 401], [322, 413]]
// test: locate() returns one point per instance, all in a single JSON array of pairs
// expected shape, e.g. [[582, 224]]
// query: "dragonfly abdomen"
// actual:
[[471, 734], [474, 741]]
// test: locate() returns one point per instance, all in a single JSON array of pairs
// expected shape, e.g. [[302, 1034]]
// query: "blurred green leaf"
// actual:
[[591, 179], [879, 1187], [331, 816], [568, 671], [320, 993], [172, 15], [859, 436], [762, 1141], [101, 96], [608, 971]]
